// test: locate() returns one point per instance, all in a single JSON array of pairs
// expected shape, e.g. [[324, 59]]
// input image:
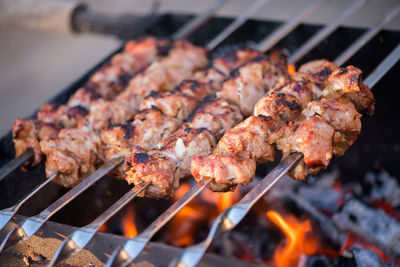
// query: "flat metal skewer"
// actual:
[[198, 21], [289, 26], [81, 237], [229, 218], [134, 246], [366, 37], [236, 23], [30, 226], [8, 213], [13, 164], [181, 33], [324, 32], [234, 214]]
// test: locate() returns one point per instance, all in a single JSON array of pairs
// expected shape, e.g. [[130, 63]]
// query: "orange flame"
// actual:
[[199, 212], [298, 243], [128, 223], [291, 69]]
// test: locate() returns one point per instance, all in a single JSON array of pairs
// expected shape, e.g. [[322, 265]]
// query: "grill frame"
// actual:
[[63, 96]]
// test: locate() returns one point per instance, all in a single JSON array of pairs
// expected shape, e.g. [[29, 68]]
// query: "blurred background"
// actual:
[[37, 64]]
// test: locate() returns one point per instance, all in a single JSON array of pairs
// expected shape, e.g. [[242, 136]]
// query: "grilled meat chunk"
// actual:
[[27, 133], [252, 80], [117, 141], [233, 57], [73, 154], [151, 126], [165, 167]]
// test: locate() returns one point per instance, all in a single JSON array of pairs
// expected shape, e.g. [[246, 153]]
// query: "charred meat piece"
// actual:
[[250, 82], [233, 57], [151, 126], [74, 154], [27, 133], [165, 167], [117, 141]]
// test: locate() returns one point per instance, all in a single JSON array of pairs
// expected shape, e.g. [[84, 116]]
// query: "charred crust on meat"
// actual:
[[164, 49], [77, 111], [200, 130], [124, 79], [291, 104], [266, 118], [154, 108], [234, 73], [187, 130], [343, 70], [324, 73], [194, 85], [141, 157], [153, 93]]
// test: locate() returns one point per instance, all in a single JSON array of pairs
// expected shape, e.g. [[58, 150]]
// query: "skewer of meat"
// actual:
[[320, 129], [165, 166], [161, 114], [104, 83]]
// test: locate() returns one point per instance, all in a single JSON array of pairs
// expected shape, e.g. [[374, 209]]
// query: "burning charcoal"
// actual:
[[319, 261], [329, 230], [383, 187], [368, 258], [325, 199], [375, 226]]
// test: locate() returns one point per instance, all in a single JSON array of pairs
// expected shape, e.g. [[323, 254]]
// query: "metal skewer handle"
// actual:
[[31, 225], [228, 219]]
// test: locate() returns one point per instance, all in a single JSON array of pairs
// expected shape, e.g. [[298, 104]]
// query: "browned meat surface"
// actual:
[[151, 126], [227, 171], [117, 141], [296, 120], [232, 59], [172, 104], [163, 75], [210, 76], [347, 82], [216, 115], [250, 82], [165, 167], [27, 133], [73, 154], [50, 113]]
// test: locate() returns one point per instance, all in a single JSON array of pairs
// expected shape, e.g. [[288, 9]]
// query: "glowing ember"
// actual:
[[298, 242], [291, 69], [182, 229], [128, 223]]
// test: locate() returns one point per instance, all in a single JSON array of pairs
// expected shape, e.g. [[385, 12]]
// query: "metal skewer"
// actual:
[[229, 218], [133, 247], [81, 237], [31, 225], [8, 213], [181, 33], [289, 26], [10, 166], [366, 37], [198, 21], [236, 24]]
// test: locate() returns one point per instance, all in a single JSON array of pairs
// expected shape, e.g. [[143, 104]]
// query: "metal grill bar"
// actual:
[[229, 218], [198, 21], [383, 68], [81, 237], [236, 24], [326, 31], [15, 163], [366, 37], [31, 225], [289, 26], [8, 213]]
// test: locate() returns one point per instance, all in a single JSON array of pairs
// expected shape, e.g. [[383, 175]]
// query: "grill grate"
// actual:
[[378, 47]]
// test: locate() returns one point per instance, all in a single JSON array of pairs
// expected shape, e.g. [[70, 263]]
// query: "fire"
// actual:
[[298, 242], [128, 223], [291, 69], [200, 212]]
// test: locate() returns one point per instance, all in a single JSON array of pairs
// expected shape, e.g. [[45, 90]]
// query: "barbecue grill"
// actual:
[[305, 42]]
